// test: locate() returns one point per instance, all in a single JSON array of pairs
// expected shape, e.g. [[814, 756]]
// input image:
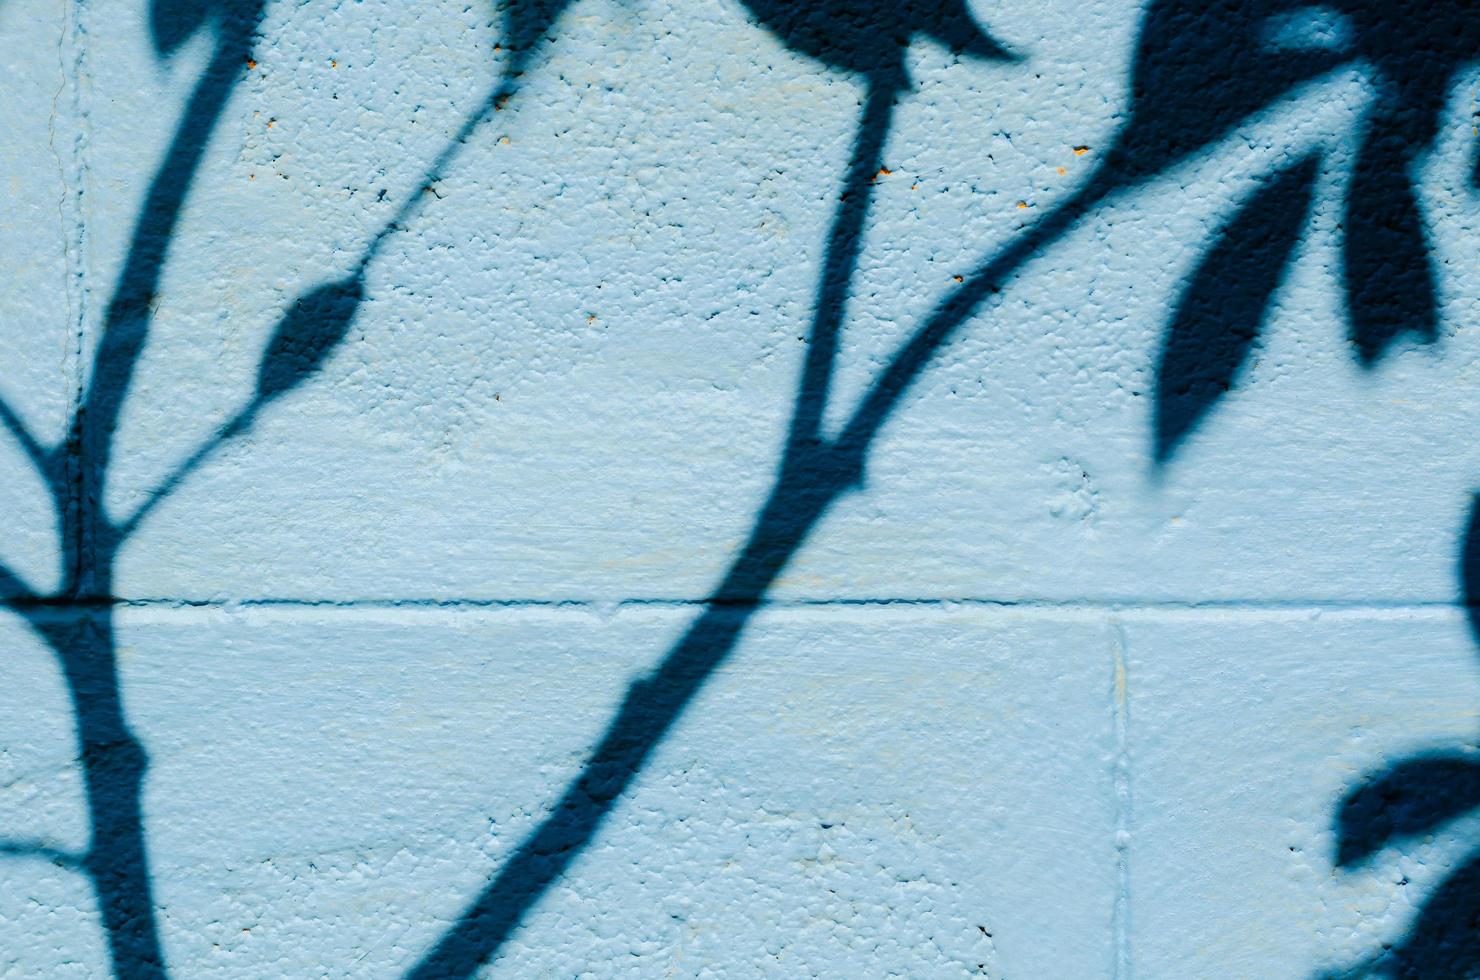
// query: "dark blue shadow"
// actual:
[[1200, 70]]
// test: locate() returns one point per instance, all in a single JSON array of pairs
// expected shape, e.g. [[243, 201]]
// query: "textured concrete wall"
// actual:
[[388, 391]]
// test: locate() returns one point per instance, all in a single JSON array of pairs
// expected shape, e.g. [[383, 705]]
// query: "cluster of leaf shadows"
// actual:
[[1201, 67]]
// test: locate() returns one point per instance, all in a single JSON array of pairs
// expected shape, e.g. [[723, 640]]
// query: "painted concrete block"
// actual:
[[922, 791], [41, 294], [1246, 733]]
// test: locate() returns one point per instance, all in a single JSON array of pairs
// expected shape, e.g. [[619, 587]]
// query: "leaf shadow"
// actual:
[[1225, 303], [1411, 798]]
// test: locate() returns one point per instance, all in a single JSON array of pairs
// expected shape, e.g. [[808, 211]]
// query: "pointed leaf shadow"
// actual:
[[314, 325], [1225, 303], [1386, 269], [1413, 797]]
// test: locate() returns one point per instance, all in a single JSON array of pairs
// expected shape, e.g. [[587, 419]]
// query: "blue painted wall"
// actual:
[[719, 488]]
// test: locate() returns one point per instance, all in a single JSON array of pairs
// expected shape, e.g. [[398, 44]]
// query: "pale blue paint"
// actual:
[[371, 640]]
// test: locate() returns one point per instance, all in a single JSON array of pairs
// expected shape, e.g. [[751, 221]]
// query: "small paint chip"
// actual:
[[1080, 151], [1022, 205], [883, 172], [959, 278], [251, 64]]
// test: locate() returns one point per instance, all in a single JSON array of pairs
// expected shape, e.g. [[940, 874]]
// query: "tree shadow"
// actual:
[[1200, 70], [77, 620]]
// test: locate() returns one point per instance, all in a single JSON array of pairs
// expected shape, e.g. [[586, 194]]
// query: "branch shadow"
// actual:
[[76, 621], [869, 39]]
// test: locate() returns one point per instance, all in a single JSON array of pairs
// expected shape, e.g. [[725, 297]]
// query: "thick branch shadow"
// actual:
[[652, 706], [113, 761], [77, 621]]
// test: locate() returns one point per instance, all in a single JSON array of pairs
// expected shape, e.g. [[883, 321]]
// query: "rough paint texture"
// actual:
[[739, 488]]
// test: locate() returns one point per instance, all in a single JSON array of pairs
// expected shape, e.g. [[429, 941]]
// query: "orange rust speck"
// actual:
[[333, 63], [1062, 171], [959, 278], [883, 172], [251, 64], [1022, 205], [1080, 151]]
